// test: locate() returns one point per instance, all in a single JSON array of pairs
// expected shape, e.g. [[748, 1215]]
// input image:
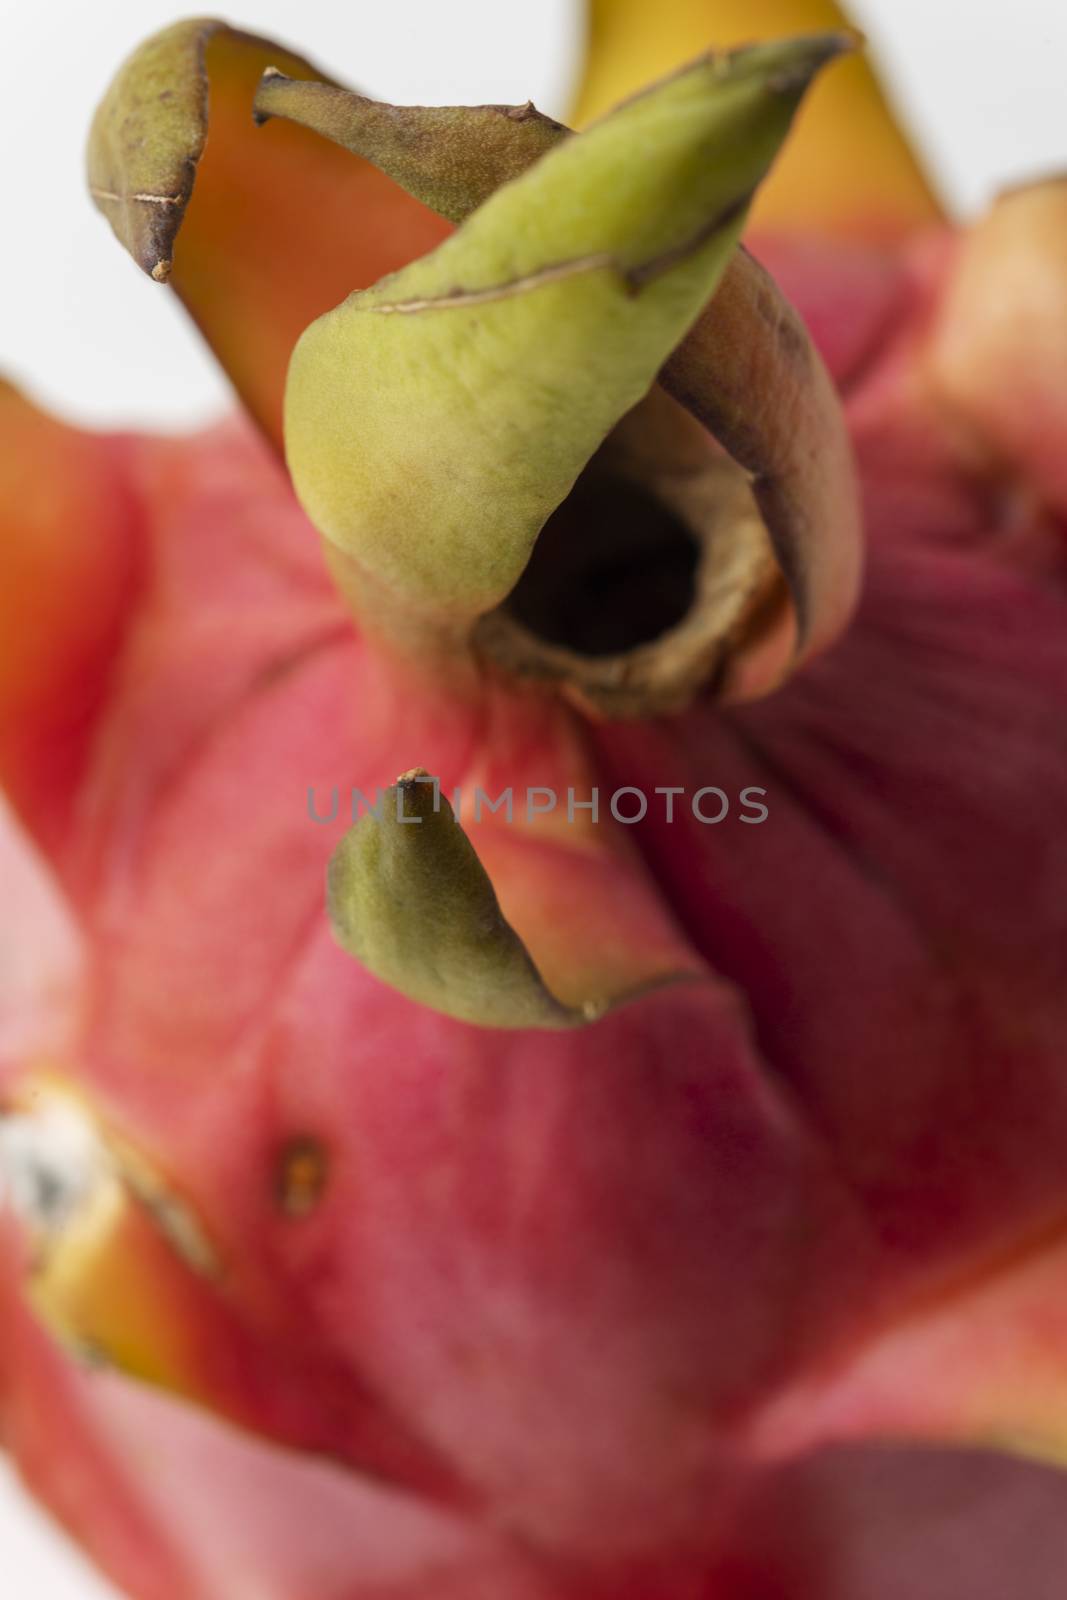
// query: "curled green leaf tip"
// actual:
[[409, 898], [435, 421]]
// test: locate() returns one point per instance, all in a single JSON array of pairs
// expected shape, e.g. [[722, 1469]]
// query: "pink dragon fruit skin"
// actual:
[[751, 1288]]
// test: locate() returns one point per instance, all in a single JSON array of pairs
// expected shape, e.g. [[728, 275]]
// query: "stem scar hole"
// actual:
[[613, 568]]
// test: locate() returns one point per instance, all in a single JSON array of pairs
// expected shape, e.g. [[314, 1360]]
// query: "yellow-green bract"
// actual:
[[435, 421]]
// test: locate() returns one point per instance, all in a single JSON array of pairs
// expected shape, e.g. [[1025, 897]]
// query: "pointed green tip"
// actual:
[[408, 897]]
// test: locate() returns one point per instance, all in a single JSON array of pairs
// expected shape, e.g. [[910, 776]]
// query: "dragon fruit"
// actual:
[[639, 1173]]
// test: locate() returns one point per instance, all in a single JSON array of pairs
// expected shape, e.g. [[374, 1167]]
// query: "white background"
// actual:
[[981, 83]]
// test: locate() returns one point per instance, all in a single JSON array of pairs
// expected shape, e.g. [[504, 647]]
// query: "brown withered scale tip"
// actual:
[[302, 1173], [150, 129]]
